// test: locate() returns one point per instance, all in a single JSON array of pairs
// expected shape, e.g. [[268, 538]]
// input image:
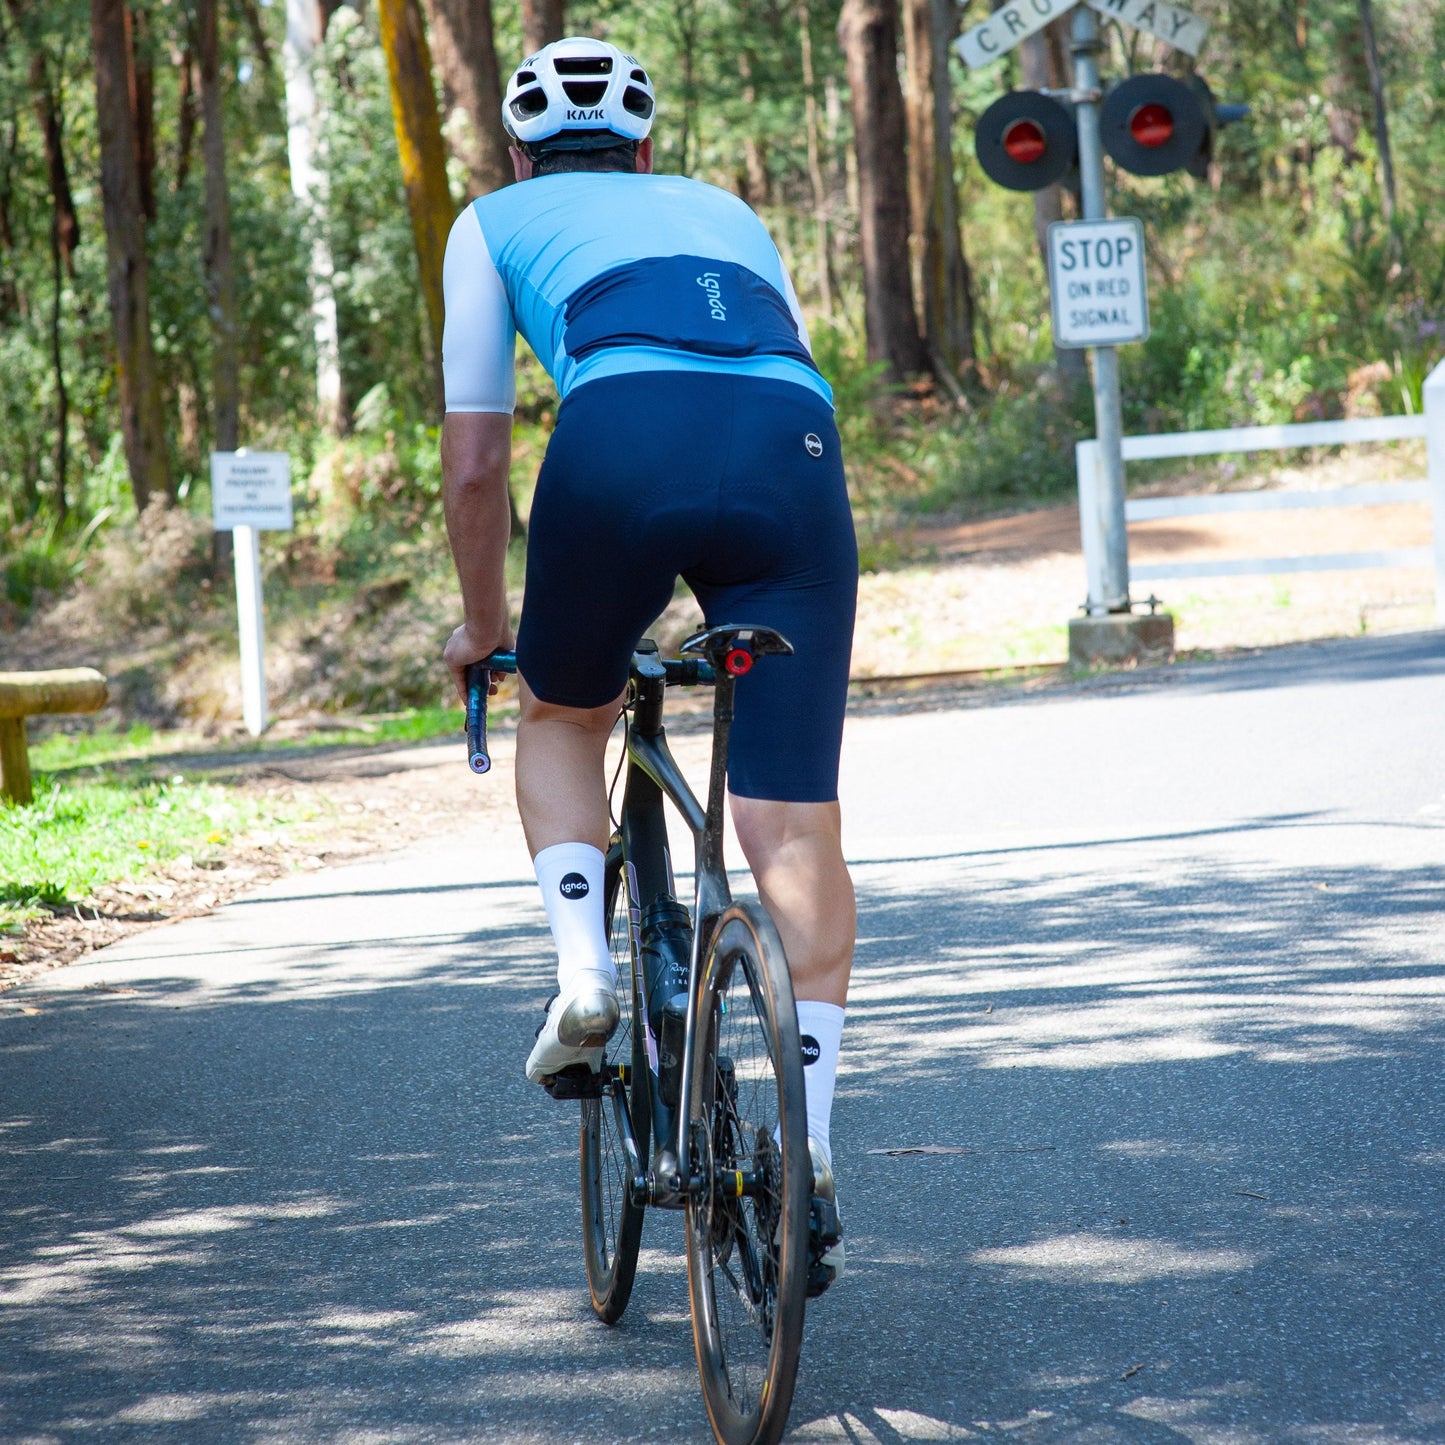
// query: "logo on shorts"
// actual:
[[811, 1051], [814, 444], [574, 885]]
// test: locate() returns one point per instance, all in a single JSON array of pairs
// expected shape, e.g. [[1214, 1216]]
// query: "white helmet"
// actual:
[[579, 85]]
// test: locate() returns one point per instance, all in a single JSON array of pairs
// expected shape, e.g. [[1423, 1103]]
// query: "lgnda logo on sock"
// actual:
[[573, 885], [811, 1050]]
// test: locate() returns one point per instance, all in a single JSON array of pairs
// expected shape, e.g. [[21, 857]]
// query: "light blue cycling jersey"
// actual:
[[610, 274]]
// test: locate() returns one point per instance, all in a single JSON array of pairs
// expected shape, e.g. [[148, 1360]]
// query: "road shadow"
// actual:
[[1188, 1170]]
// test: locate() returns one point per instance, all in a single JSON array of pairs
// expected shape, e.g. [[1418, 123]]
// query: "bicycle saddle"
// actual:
[[718, 643]]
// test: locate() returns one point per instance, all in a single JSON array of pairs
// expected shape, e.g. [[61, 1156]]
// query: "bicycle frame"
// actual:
[[652, 775]]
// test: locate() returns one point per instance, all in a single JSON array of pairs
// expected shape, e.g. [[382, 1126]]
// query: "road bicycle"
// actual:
[[698, 1103]]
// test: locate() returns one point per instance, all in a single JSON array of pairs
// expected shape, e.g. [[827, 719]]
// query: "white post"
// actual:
[[252, 626], [1435, 450], [1086, 466]]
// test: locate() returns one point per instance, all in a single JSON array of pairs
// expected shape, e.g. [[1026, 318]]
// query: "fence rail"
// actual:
[[1222, 441]]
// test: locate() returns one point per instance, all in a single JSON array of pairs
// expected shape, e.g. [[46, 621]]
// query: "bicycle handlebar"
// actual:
[[479, 680], [681, 672]]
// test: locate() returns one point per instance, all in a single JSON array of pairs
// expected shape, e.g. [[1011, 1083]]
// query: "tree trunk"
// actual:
[[543, 21], [305, 25], [1382, 116], [142, 421], [867, 31], [816, 179], [143, 105], [423, 159], [187, 109], [1040, 69], [256, 26], [466, 59], [756, 185], [64, 238], [220, 272], [944, 284]]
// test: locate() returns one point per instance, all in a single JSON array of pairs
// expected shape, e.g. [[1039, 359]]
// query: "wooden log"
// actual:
[[70, 689], [14, 762]]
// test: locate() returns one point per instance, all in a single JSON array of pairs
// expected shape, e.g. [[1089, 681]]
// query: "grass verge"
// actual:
[[81, 834]]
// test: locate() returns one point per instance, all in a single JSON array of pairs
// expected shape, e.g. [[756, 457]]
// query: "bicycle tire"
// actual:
[[747, 1257], [611, 1221]]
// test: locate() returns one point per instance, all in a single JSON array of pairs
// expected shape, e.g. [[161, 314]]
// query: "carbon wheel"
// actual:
[[747, 1226], [611, 1221]]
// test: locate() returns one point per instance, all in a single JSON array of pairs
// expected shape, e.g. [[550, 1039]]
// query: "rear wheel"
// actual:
[[747, 1226], [611, 1221]]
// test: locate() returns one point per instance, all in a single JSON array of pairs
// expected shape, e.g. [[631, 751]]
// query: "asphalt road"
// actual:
[[1154, 969]]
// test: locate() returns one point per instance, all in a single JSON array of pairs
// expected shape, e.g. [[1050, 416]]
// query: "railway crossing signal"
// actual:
[[1151, 125], [1026, 141]]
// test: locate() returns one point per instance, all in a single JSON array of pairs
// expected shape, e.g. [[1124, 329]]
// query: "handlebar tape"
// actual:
[[479, 679]]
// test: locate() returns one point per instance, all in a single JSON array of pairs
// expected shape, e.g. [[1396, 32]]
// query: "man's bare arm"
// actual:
[[476, 463]]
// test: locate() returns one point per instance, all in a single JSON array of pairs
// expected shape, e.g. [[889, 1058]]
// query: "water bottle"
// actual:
[[666, 954]]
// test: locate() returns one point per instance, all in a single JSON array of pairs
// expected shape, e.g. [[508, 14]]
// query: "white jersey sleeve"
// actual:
[[479, 338]]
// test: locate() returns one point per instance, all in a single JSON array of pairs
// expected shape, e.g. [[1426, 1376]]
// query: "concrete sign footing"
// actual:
[[1116, 637]]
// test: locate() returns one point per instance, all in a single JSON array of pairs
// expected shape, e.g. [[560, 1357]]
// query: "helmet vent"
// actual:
[[585, 92], [640, 75], [583, 65], [637, 102], [524, 77], [530, 103]]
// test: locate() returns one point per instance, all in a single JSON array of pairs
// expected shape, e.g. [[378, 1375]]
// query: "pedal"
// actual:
[[576, 1081]]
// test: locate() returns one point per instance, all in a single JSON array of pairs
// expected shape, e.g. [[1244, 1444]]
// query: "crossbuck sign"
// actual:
[[1018, 19]]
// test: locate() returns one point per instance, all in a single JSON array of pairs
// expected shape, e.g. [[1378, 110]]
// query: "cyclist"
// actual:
[[695, 437]]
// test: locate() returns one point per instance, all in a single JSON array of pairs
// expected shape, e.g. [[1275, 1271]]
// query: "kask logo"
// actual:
[[574, 885], [814, 444], [711, 282], [585, 114], [811, 1050]]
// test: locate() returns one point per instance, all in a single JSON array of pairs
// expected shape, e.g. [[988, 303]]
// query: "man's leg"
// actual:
[[561, 786], [795, 851], [562, 798]]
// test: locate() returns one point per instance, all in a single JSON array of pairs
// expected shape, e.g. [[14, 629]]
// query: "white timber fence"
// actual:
[[1431, 426]]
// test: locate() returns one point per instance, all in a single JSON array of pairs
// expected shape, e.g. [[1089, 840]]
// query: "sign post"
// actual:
[[1108, 407], [1096, 273], [251, 491]]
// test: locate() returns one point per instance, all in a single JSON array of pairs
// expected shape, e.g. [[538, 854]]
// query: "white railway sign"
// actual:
[[1096, 271], [1016, 20], [1169, 22], [1010, 23]]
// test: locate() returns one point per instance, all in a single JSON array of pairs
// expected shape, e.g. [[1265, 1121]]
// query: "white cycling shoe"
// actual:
[[579, 1022], [825, 1226]]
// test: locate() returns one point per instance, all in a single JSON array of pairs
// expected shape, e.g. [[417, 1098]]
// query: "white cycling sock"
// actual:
[[821, 1027], [570, 876]]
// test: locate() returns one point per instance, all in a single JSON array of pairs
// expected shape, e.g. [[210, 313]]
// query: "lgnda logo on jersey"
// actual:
[[574, 885], [711, 283]]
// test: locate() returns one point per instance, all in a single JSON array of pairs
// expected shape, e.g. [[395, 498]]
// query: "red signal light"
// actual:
[[1152, 125], [1024, 142]]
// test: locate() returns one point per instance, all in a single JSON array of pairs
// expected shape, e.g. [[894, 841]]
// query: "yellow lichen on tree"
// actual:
[[419, 144]]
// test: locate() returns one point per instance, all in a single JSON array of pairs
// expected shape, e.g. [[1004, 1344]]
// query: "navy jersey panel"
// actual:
[[736, 485], [683, 303]]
